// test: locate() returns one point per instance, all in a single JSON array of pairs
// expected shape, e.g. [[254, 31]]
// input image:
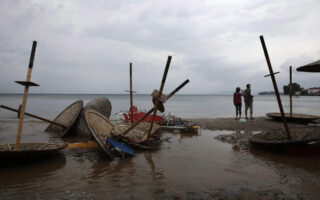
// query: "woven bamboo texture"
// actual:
[[67, 118]]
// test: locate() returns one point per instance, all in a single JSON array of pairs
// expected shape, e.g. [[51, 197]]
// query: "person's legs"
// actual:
[[236, 111], [240, 111], [251, 110], [246, 110]]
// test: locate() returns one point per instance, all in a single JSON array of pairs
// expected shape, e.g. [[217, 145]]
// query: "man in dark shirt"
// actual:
[[248, 101]]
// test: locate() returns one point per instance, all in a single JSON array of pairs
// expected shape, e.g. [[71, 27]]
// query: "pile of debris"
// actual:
[[93, 120]]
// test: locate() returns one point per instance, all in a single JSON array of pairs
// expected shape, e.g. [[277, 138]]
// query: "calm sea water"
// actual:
[[188, 106]]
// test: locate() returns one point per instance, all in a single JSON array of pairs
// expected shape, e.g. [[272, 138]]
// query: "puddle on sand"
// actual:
[[185, 166]]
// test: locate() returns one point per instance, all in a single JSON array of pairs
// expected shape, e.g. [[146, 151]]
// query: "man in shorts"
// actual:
[[248, 100]]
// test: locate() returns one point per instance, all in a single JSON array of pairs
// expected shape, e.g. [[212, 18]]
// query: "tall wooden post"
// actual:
[[160, 93], [25, 95], [290, 91], [131, 99], [275, 87]]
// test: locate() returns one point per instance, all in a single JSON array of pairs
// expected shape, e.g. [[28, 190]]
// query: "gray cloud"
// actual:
[[86, 47]]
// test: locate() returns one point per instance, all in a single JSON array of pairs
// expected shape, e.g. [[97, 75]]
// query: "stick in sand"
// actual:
[[160, 93], [131, 100], [25, 95], [275, 87], [290, 91], [150, 111]]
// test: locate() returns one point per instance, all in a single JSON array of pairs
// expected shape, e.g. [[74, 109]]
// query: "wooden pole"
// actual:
[[160, 93], [151, 110], [34, 116], [25, 95], [290, 91], [131, 100], [275, 87]]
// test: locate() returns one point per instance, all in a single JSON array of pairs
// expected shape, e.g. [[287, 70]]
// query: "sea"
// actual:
[[185, 106]]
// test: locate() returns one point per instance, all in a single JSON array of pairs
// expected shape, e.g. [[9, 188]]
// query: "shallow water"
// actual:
[[186, 166]]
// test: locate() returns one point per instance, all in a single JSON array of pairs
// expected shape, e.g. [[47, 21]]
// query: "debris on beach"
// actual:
[[167, 122], [138, 137]]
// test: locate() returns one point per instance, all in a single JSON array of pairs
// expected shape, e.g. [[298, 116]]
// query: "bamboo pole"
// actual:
[[160, 93], [131, 99], [25, 95], [275, 87], [34, 116], [290, 91], [151, 110]]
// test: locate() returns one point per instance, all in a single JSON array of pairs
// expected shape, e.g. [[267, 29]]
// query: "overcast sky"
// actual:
[[86, 46]]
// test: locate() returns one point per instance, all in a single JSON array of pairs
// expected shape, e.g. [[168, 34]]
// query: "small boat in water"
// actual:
[[67, 118], [100, 128], [28, 151], [305, 140], [297, 118]]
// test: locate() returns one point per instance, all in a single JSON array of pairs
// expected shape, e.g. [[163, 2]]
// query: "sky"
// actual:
[[86, 46]]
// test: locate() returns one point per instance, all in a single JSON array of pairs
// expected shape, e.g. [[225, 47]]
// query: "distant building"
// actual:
[[314, 90]]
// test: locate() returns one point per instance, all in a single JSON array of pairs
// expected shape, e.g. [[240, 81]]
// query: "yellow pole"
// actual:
[[25, 95]]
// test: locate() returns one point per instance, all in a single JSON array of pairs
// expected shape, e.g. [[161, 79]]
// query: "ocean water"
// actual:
[[187, 106]]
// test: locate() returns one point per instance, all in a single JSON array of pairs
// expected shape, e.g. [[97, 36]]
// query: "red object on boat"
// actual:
[[137, 115]]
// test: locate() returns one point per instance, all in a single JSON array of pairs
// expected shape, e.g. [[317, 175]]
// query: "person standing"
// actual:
[[237, 101], [248, 101]]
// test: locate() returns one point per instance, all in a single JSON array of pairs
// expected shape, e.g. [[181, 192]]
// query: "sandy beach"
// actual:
[[231, 124]]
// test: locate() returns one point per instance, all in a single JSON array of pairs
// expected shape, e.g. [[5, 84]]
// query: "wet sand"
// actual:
[[257, 124], [187, 166]]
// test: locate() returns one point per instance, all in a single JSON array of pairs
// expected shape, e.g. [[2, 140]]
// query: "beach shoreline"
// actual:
[[237, 135], [214, 124], [231, 124]]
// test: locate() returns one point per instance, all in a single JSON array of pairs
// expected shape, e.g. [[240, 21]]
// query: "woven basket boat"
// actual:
[[67, 118], [298, 118], [100, 128], [28, 151], [305, 139]]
